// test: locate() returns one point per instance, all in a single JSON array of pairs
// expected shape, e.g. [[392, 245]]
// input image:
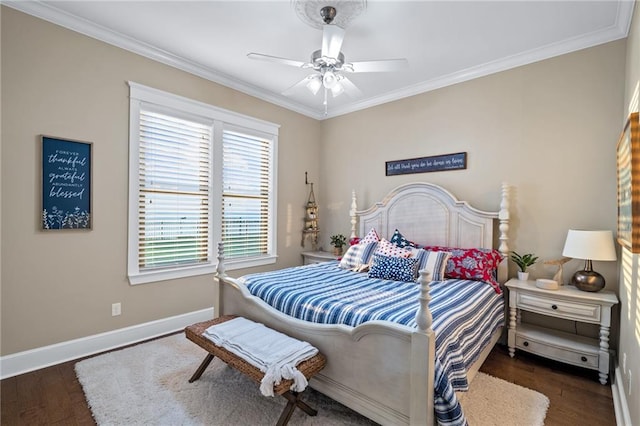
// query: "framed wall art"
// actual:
[[436, 163], [628, 172], [66, 184]]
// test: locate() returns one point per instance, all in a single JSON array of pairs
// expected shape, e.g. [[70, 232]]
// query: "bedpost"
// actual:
[[352, 213], [503, 216], [217, 278], [423, 349], [424, 319], [220, 269]]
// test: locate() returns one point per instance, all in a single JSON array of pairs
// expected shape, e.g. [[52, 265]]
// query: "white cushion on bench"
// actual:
[[274, 353]]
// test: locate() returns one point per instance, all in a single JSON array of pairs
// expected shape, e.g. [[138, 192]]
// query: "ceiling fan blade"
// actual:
[[313, 82], [350, 88], [332, 37], [382, 65], [284, 61]]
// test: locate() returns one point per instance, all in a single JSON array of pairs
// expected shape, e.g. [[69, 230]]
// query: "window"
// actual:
[[197, 175], [246, 194]]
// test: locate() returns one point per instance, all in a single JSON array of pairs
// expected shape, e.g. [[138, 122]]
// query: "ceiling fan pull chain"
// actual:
[[325, 100]]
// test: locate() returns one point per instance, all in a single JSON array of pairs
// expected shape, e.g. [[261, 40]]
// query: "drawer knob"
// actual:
[[583, 359], [554, 307], [526, 343]]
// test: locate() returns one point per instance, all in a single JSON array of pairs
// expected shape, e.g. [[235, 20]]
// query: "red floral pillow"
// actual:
[[472, 264]]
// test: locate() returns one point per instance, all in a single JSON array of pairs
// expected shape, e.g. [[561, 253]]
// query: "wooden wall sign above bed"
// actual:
[[436, 163]]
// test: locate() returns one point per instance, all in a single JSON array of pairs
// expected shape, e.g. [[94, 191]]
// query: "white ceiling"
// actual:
[[445, 42]]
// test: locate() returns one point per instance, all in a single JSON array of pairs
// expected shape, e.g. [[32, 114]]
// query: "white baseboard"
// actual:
[[620, 406], [34, 359]]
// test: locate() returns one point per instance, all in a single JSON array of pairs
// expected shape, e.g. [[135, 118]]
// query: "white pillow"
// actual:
[[385, 248], [371, 237]]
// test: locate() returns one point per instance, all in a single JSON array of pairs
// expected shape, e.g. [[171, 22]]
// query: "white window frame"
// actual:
[[179, 106]]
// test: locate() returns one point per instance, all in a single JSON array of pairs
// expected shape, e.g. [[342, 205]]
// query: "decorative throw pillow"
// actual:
[[385, 248], [393, 268], [358, 256], [472, 264], [434, 262], [400, 240], [371, 237]]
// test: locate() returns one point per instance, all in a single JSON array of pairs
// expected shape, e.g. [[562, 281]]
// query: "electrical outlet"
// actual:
[[116, 309]]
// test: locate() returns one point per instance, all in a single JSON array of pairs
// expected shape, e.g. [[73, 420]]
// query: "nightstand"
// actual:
[[310, 257], [567, 303]]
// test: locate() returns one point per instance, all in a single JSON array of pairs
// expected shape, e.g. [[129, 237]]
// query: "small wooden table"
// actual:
[[309, 367]]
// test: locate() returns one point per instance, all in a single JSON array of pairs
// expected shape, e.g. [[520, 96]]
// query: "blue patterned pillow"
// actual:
[[393, 268], [400, 240]]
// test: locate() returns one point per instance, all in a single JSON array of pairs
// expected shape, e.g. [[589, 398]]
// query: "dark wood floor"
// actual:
[[53, 395], [576, 396]]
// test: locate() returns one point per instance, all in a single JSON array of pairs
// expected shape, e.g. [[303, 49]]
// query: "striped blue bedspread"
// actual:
[[465, 314]]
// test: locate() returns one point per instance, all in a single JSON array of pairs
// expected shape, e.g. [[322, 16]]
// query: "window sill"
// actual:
[[185, 272], [170, 274], [231, 265]]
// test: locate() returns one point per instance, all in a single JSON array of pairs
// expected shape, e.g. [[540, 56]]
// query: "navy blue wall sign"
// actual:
[[436, 163], [66, 184]]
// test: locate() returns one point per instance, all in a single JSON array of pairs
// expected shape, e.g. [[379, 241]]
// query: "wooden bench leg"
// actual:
[[293, 401], [200, 370]]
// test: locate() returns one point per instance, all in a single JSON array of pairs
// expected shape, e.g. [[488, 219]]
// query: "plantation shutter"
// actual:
[[247, 185], [175, 181]]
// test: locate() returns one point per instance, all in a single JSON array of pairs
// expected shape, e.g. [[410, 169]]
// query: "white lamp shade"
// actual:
[[589, 245], [314, 84], [329, 79], [337, 89]]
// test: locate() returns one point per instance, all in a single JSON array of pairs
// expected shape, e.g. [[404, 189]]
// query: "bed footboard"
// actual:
[[380, 369]]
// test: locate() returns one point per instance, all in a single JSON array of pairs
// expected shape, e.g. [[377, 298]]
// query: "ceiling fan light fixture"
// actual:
[[314, 84], [337, 90], [329, 79]]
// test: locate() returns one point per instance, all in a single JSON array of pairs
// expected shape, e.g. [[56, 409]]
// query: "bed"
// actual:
[[382, 369]]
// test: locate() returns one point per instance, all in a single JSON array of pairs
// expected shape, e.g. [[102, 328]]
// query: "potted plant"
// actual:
[[523, 262], [338, 241]]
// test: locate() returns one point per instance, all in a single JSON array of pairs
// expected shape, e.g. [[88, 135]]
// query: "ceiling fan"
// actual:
[[328, 63]]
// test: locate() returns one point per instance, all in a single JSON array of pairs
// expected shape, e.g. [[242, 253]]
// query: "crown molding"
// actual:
[[51, 14], [45, 11], [614, 32]]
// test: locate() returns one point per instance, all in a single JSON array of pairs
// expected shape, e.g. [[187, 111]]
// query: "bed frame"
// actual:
[[380, 369]]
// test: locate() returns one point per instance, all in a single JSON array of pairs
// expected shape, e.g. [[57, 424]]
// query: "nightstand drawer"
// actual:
[[558, 353], [577, 311]]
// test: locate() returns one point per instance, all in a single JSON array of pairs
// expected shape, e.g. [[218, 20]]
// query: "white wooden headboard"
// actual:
[[431, 215]]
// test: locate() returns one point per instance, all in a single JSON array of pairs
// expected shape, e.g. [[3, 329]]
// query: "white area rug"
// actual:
[[147, 384], [496, 402]]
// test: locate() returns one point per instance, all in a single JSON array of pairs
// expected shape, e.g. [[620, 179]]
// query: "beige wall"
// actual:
[[630, 266], [549, 129], [58, 286]]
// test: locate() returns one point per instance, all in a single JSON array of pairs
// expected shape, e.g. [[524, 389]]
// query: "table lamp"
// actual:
[[589, 245]]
